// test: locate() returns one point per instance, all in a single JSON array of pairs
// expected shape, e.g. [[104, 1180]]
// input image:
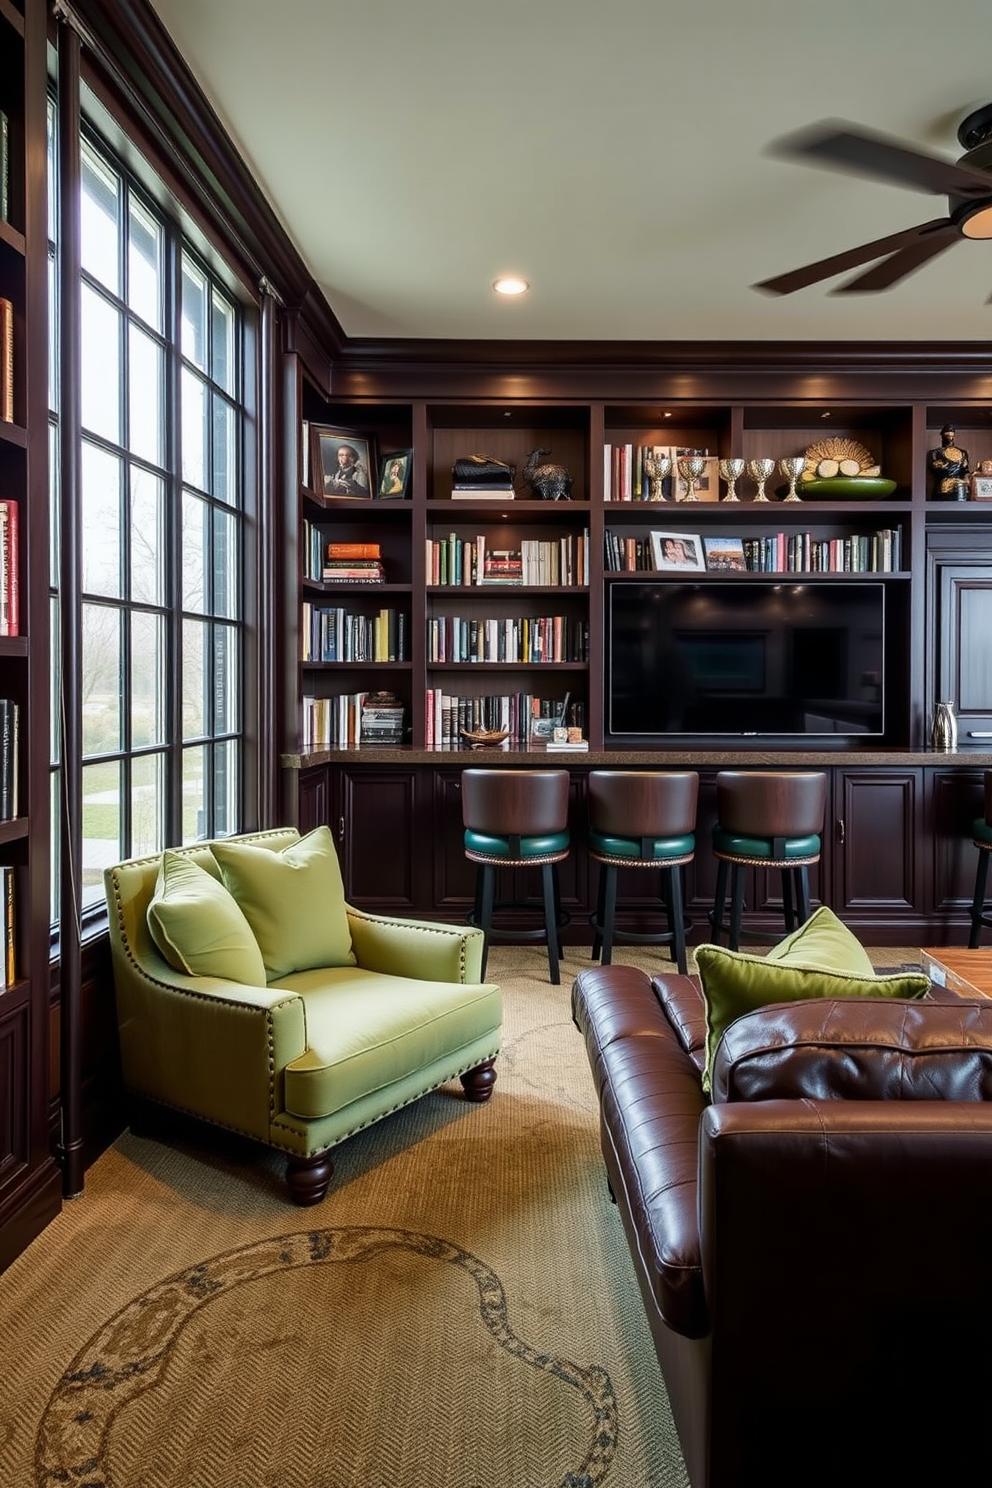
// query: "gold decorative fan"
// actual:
[[828, 458]]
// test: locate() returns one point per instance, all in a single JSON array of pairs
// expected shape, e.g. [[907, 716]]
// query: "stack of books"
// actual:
[[495, 487], [353, 563], [502, 566], [382, 719]]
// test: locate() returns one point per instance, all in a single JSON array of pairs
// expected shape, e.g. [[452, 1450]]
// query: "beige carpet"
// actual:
[[460, 1311]]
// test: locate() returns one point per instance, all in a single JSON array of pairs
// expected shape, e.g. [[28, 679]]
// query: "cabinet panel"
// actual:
[[314, 801], [956, 797], [14, 1046], [965, 656], [877, 824], [453, 874], [377, 847]]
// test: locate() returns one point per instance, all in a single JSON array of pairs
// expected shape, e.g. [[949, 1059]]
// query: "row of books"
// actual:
[[10, 717], [5, 147], [460, 562], [626, 479], [333, 633], [801, 552], [525, 717], [780, 552], [531, 639], [350, 719], [6, 360]]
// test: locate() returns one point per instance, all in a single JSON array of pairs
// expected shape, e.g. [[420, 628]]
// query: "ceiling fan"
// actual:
[[967, 184]]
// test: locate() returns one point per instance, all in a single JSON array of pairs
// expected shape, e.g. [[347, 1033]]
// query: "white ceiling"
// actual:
[[613, 152]]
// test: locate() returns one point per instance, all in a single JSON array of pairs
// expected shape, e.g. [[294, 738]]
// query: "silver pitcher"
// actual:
[[944, 733]]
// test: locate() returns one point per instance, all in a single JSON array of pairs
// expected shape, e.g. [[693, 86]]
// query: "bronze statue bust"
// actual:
[[948, 467]]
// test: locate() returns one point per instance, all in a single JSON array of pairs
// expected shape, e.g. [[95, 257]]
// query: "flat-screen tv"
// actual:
[[738, 659]]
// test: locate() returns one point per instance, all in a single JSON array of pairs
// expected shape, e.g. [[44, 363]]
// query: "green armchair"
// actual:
[[250, 995]]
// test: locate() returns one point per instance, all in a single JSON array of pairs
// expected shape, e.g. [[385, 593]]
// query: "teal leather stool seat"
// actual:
[[641, 819], [516, 819], [981, 833], [772, 819]]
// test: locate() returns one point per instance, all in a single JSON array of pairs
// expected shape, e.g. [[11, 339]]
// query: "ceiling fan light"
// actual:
[[978, 224], [510, 284]]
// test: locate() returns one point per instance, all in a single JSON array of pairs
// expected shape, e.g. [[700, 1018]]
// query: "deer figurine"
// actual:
[[548, 482]]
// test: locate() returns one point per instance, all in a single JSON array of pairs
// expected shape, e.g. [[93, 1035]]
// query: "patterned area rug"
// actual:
[[460, 1311]]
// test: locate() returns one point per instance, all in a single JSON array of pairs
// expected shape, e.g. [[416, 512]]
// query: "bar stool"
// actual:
[[981, 831], [641, 819], [768, 819], [516, 819]]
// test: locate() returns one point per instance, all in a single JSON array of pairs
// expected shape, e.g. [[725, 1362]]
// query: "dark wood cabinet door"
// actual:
[[453, 874], [954, 799], [314, 801], [376, 838], [964, 662], [876, 833]]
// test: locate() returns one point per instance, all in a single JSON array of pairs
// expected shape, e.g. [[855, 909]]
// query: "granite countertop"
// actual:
[[802, 759]]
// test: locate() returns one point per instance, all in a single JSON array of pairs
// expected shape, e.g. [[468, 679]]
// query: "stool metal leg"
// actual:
[[609, 911], [548, 876], [676, 919], [486, 895], [802, 892], [788, 901], [736, 904], [978, 903], [719, 899], [597, 941]]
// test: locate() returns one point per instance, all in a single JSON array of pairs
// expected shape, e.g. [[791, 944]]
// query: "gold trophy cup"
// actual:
[[759, 471], [657, 468], [691, 467], [792, 468], [731, 471]]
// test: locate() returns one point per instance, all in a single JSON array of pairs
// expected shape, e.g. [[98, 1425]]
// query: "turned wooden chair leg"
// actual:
[[478, 1083], [308, 1178]]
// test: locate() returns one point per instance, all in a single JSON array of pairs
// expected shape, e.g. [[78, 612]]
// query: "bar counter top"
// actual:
[[645, 759]]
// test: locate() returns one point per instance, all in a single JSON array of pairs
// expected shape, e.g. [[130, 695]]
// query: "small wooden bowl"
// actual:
[[484, 738]]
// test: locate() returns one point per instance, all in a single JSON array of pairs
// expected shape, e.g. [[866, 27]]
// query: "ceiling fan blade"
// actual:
[[841, 146], [839, 263], [898, 265]]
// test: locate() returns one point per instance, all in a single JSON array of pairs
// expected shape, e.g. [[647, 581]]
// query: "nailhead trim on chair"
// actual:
[[641, 862], [768, 862], [557, 857]]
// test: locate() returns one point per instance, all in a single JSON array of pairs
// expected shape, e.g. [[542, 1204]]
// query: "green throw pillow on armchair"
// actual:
[[198, 927], [293, 901], [820, 959]]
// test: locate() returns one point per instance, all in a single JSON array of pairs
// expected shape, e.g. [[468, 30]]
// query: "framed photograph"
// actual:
[[394, 475], [981, 488], [342, 463], [725, 554], [683, 551]]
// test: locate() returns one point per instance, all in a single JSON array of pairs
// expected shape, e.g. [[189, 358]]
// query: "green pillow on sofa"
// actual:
[[820, 959], [293, 901], [198, 926]]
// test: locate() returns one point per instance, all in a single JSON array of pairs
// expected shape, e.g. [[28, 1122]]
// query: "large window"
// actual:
[[162, 521]]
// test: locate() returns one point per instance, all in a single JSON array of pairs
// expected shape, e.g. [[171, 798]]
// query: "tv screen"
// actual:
[[735, 659]]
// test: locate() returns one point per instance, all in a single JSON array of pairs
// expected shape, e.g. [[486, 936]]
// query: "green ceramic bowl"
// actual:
[[847, 488]]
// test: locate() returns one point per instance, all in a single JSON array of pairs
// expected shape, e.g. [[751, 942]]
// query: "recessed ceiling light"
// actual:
[[509, 284]]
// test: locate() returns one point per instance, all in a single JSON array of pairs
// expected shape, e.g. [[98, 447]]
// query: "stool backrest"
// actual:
[[526, 803], [643, 803], [773, 803]]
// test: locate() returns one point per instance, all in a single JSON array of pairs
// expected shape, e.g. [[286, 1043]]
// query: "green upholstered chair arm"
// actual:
[[215, 1048], [414, 948]]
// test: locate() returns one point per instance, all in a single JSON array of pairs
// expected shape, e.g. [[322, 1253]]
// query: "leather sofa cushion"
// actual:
[[862, 1049], [366, 1030], [682, 1001], [650, 1104]]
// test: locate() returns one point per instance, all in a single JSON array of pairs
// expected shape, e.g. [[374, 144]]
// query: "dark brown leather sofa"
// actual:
[[814, 1246]]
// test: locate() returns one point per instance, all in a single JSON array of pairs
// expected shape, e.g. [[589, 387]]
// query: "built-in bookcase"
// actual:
[[29, 1179]]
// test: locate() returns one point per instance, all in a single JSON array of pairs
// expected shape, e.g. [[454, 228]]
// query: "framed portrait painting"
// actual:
[[343, 463], [677, 551], [394, 475]]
